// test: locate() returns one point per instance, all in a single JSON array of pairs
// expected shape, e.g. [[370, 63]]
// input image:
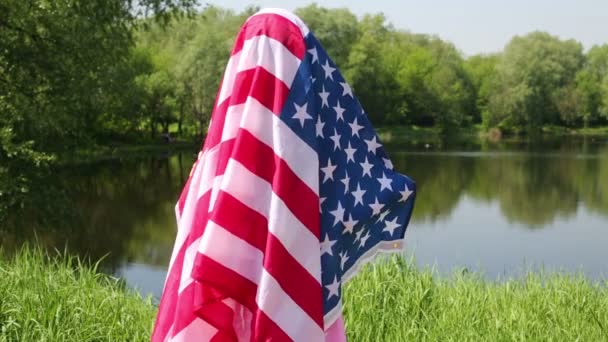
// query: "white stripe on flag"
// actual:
[[260, 51], [219, 244], [188, 265], [286, 14], [183, 230], [298, 155], [257, 194], [198, 330]]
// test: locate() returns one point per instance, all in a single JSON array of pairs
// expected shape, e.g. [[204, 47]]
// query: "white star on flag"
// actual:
[[338, 213], [301, 113], [376, 207], [350, 153], [372, 145], [328, 70], [364, 239], [343, 259], [333, 288], [355, 127], [349, 225], [326, 246], [382, 216], [358, 194], [339, 112], [315, 55], [324, 96], [358, 234], [328, 171], [385, 183], [319, 127], [405, 194], [367, 168], [388, 163], [346, 181], [336, 139], [346, 90], [391, 226]]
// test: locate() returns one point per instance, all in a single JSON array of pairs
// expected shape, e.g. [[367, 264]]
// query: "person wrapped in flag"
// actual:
[[291, 194]]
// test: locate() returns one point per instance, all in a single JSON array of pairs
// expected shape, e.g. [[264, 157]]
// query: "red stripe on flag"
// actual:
[[261, 85], [185, 315], [260, 159], [248, 225], [258, 83], [214, 135], [225, 150], [170, 299], [273, 26], [216, 276], [252, 227], [184, 194]]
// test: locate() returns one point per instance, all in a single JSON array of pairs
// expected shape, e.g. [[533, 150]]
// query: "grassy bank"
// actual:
[[59, 299], [396, 302], [46, 298]]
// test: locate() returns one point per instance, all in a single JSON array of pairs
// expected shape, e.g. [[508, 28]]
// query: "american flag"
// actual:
[[291, 194]]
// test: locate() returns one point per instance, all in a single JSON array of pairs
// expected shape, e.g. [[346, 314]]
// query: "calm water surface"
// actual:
[[498, 209]]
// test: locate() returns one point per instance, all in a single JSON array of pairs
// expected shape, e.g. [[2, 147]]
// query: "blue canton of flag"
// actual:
[[365, 205]]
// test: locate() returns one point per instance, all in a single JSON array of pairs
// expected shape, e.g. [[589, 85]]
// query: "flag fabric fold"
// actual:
[[291, 193]]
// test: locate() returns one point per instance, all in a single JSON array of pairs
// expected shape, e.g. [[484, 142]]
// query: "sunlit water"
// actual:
[[497, 209]]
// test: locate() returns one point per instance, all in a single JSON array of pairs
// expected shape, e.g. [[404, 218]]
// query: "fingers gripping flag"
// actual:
[[291, 193]]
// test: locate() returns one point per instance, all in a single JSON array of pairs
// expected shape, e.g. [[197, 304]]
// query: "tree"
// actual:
[[532, 73], [432, 78], [56, 58], [589, 79], [481, 70]]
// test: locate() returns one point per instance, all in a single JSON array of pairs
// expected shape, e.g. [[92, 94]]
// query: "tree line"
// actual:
[[400, 77], [80, 73]]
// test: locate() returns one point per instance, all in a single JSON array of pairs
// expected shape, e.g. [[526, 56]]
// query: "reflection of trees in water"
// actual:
[[593, 183], [120, 208], [531, 188], [126, 208], [440, 181]]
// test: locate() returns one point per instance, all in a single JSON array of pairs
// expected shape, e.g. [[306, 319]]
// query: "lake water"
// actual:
[[499, 209]]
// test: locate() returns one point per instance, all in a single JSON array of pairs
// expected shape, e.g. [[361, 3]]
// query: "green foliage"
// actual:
[[65, 66], [591, 88], [368, 74], [533, 76], [482, 73]]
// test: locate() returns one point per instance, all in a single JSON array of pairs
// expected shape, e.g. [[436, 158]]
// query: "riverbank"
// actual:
[[117, 151], [61, 299], [416, 135]]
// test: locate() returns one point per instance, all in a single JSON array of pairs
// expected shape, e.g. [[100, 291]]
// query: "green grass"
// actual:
[[396, 302], [59, 298]]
